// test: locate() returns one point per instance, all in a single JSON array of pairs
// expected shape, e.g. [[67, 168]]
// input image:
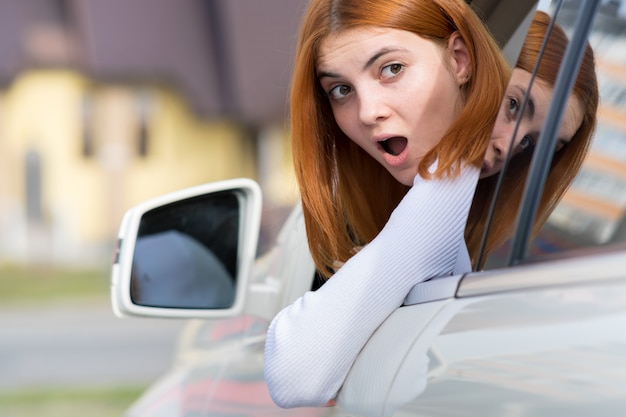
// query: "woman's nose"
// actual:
[[501, 147], [504, 141], [372, 108]]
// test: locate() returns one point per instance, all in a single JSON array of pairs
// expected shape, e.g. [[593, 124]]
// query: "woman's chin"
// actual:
[[404, 177]]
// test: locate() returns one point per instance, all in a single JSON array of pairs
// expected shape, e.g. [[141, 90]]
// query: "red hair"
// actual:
[[347, 197]]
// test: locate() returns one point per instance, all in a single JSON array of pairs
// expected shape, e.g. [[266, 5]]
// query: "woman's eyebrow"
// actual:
[[326, 74], [368, 63], [382, 52]]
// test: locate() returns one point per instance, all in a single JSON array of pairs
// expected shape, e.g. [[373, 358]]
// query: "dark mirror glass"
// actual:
[[186, 254]]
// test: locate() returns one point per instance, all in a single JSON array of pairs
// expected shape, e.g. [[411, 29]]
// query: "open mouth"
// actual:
[[486, 166], [395, 145]]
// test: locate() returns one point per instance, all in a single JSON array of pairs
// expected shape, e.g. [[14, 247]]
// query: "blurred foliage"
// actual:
[[103, 402], [19, 284]]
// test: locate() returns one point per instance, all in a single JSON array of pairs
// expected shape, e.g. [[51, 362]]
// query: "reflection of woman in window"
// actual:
[[574, 136], [391, 100]]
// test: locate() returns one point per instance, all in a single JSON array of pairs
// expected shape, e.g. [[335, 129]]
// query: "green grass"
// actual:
[[23, 284], [103, 402]]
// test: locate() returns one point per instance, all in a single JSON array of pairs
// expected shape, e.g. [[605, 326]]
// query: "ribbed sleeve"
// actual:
[[312, 343]]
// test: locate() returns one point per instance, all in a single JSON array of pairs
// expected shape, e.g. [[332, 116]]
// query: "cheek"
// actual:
[[343, 118], [502, 129], [441, 103], [573, 118]]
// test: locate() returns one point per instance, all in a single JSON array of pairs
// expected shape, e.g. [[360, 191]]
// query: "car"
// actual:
[[541, 331]]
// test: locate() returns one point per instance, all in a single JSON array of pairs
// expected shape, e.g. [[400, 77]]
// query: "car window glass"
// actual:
[[592, 210]]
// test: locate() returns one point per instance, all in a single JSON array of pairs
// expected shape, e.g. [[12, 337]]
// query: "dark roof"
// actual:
[[229, 57]]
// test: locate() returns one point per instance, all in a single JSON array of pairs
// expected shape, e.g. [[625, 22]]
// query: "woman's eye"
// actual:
[[339, 92], [561, 144], [512, 108], [527, 142], [390, 71]]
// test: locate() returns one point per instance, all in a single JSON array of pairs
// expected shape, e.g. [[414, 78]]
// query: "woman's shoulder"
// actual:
[[461, 172]]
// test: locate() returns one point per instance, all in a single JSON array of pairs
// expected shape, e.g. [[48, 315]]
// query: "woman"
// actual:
[[392, 106], [575, 135]]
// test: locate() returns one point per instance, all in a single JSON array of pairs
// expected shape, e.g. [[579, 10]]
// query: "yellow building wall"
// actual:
[[39, 116], [84, 198]]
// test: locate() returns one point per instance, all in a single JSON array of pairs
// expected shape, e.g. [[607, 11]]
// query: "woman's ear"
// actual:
[[460, 57]]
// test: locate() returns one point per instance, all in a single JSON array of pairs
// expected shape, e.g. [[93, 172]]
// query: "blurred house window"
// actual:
[[142, 140], [33, 186], [87, 137], [144, 110]]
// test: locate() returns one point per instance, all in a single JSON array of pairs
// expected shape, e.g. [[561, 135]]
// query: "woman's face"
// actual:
[[392, 92], [531, 121]]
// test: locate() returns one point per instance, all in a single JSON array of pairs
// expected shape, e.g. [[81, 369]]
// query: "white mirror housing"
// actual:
[[176, 299]]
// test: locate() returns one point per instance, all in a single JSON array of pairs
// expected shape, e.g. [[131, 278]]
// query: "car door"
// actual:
[[541, 331]]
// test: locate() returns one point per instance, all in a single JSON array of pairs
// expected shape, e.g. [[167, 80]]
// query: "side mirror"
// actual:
[[188, 254]]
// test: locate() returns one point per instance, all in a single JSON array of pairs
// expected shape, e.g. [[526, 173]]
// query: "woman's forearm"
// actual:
[[312, 343]]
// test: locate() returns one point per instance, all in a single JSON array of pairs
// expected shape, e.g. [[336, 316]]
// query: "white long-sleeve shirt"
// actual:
[[312, 344]]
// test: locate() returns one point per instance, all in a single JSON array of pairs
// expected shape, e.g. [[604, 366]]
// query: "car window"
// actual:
[[592, 211]]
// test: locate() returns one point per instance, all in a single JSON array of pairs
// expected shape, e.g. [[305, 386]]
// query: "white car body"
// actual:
[[545, 339]]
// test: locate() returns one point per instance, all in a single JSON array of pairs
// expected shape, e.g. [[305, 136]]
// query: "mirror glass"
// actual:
[[186, 254]]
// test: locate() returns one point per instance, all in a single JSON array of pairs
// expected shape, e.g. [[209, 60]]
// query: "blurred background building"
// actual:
[[593, 211], [106, 103]]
